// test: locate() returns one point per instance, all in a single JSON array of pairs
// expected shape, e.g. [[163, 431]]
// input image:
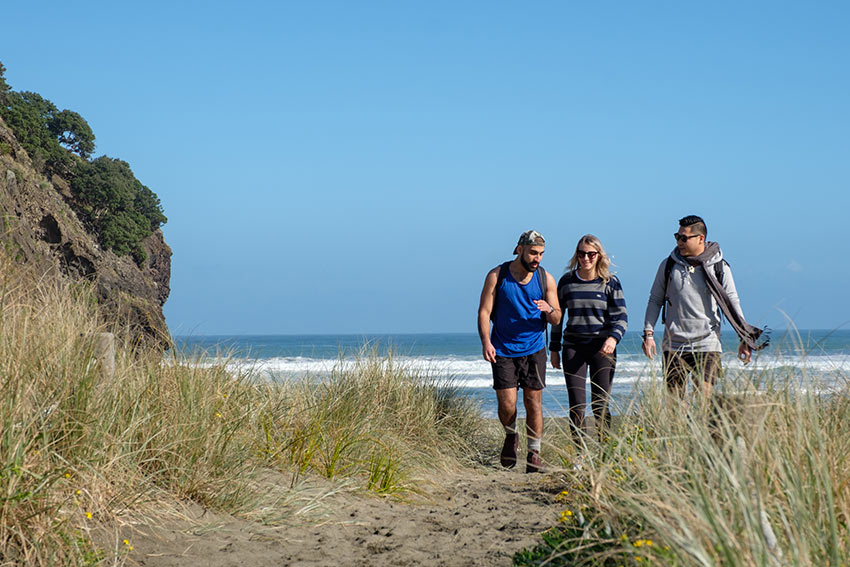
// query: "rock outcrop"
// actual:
[[38, 226]]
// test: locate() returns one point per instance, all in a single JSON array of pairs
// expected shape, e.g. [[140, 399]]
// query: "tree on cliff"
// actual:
[[29, 116], [72, 132], [4, 86], [47, 133], [121, 209]]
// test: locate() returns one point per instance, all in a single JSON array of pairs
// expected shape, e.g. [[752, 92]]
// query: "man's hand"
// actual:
[[609, 346], [489, 353], [555, 358], [543, 306], [745, 355], [648, 347]]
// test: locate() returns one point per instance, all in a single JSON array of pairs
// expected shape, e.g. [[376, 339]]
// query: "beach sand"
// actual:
[[478, 516]]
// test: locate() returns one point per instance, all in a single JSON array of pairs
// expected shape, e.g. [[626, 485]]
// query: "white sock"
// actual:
[[510, 429], [534, 444]]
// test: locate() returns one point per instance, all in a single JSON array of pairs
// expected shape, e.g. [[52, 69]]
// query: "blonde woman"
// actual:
[[596, 319]]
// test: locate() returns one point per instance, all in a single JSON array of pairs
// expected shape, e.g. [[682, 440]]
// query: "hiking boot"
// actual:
[[508, 456], [533, 462]]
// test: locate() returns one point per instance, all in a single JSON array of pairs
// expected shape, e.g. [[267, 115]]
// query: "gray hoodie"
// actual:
[[693, 316]]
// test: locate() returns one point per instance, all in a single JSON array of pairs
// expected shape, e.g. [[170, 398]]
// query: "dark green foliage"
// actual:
[[4, 86], [29, 116], [72, 132], [45, 131], [121, 209]]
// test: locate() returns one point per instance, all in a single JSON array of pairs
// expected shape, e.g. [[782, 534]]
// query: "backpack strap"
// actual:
[[503, 273], [541, 277], [668, 269], [718, 270]]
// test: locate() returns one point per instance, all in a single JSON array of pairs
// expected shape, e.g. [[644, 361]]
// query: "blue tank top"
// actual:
[[518, 327]]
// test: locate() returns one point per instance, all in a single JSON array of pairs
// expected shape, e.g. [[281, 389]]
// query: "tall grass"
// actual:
[[79, 451], [377, 421], [746, 477]]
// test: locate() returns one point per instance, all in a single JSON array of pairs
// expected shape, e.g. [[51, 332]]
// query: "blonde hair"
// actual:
[[603, 262]]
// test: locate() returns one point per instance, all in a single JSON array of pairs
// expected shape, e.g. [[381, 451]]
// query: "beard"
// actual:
[[529, 266]]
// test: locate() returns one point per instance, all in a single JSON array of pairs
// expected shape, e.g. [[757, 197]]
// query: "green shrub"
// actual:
[[121, 209]]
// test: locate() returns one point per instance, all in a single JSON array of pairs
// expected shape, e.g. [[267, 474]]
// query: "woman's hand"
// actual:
[[609, 346]]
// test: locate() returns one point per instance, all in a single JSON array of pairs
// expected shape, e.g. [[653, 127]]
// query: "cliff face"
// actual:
[[38, 226]]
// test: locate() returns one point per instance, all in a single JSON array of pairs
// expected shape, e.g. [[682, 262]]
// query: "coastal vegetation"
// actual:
[[757, 474], [80, 451], [120, 210]]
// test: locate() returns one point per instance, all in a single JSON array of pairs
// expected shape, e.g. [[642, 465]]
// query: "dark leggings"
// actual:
[[576, 360]]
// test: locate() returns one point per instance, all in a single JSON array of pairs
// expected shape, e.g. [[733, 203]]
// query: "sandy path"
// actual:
[[477, 518]]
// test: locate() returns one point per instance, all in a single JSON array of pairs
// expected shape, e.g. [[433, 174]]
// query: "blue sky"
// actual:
[[358, 167]]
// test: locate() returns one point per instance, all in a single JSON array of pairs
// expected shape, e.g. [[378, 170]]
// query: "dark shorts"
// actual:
[[702, 366], [528, 372]]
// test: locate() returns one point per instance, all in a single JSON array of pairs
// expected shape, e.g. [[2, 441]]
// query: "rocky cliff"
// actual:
[[38, 226]]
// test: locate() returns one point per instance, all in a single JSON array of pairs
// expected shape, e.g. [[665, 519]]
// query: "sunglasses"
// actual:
[[589, 255], [684, 237]]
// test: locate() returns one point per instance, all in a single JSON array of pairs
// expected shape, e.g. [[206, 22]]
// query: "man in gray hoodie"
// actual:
[[694, 285]]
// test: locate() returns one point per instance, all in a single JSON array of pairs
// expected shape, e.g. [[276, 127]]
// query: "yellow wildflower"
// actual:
[[565, 516]]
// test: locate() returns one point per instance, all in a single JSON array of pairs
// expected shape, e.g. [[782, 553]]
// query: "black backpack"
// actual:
[[668, 269], [503, 273]]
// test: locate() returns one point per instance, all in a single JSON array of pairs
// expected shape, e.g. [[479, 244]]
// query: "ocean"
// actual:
[[808, 356]]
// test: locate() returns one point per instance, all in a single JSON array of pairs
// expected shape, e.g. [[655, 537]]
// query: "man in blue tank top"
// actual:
[[519, 298]]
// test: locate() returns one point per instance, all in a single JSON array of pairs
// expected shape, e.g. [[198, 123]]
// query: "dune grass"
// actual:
[[79, 451], [750, 476]]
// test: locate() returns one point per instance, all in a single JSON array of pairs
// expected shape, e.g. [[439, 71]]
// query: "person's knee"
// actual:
[[533, 406], [507, 413]]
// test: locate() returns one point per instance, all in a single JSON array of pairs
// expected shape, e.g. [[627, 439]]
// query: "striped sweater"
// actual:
[[594, 310]]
